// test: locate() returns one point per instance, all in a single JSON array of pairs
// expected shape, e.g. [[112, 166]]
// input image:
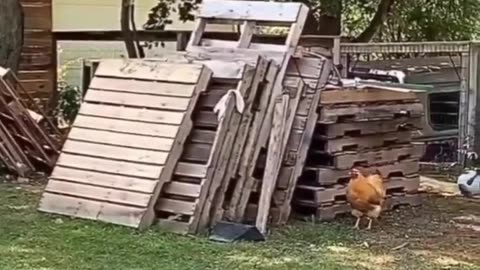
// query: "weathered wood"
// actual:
[[240, 131], [291, 175], [251, 11], [335, 97], [329, 176], [274, 159], [253, 144], [366, 128], [149, 70], [348, 160], [119, 157], [322, 195], [364, 142], [132, 114], [356, 113]]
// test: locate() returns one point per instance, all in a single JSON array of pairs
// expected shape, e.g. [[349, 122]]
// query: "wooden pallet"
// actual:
[[125, 141], [347, 160], [330, 211], [248, 14], [364, 95], [300, 140], [202, 162], [315, 72], [25, 142], [345, 144], [322, 195], [367, 112], [330, 176], [331, 131]]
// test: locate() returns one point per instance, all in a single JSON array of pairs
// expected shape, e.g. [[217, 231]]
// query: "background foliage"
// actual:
[[408, 20]]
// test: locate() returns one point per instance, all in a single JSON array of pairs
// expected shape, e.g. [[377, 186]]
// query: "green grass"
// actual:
[[32, 240]]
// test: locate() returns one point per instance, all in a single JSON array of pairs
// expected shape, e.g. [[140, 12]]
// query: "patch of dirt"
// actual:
[[433, 228]]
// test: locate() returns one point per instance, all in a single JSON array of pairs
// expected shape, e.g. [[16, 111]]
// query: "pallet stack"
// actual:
[[223, 131], [363, 126]]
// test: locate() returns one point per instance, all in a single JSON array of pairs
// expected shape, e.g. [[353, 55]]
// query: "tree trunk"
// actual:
[[329, 22], [378, 19], [11, 34]]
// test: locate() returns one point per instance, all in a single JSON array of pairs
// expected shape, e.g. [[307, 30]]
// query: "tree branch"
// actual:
[[378, 19]]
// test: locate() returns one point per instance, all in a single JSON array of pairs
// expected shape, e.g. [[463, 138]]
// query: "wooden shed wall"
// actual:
[[38, 62]]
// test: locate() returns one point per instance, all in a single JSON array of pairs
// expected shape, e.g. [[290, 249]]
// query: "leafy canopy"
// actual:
[[407, 20]]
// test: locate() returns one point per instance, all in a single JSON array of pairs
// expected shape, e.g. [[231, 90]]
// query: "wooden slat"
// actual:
[[183, 189], [175, 206], [127, 140], [364, 95], [133, 114], [110, 166], [38, 16], [143, 87], [250, 11], [103, 179], [98, 193], [157, 71], [234, 44], [115, 152], [130, 127], [148, 101], [83, 208], [191, 170]]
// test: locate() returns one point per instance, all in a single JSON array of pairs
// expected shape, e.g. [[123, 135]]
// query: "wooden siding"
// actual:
[[37, 64]]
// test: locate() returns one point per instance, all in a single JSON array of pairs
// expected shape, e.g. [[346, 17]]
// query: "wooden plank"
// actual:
[[330, 115], [128, 127], [115, 152], [146, 101], [98, 193], [143, 70], [175, 206], [191, 170], [110, 166], [231, 151], [274, 158], [88, 209], [347, 161], [127, 140], [177, 149], [253, 144], [250, 11], [248, 29], [366, 142], [368, 128], [103, 179], [143, 87], [183, 189], [332, 97], [328, 176], [132, 114]]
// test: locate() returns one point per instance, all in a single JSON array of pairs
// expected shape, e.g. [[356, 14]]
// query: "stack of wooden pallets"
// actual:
[[365, 127], [223, 130]]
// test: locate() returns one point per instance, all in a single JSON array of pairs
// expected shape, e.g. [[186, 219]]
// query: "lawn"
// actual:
[[410, 238]]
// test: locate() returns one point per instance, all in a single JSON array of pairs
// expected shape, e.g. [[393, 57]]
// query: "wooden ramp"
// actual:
[[126, 141]]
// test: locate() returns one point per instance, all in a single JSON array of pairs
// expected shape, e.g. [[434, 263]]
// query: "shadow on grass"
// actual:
[[32, 240]]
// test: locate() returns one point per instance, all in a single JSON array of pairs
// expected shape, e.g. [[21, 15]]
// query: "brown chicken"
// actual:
[[366, 195]]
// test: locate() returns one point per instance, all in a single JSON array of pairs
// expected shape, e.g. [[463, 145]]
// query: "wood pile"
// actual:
[[235, 144], [361, 127], [25, 143]]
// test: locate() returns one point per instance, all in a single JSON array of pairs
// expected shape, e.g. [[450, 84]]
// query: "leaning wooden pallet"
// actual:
[[250, 15], [202, 159], [125, 142], [314, 72]]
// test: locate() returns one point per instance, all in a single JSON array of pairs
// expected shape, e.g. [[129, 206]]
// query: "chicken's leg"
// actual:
[[357, 224], [369, 223]]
